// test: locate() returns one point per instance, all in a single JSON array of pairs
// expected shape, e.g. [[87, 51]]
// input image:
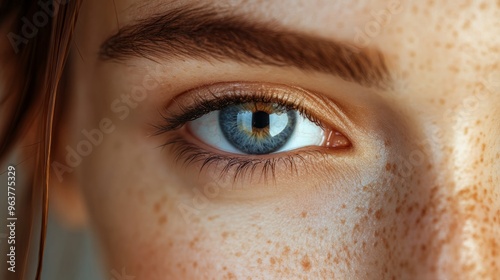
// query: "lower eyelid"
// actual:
[[279, 169]]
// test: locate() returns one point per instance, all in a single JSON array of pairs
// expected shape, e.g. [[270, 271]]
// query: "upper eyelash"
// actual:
[[202, 106]]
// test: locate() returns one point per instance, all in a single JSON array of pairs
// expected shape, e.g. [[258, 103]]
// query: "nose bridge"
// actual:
[[473, 182]]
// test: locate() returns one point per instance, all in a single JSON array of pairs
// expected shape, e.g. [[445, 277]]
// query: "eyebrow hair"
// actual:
[[206, 33]]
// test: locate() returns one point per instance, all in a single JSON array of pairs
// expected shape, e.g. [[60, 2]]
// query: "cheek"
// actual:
[[264, 243], [143, 230], [152, 224]]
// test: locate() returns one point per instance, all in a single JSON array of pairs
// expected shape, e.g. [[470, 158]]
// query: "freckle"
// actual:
[[454, 69], [195, 264], [193, 242], [158, 204], [286, 251], [272, 260], [303, 214], [256, 216], [356, 228], [414, 10], [162, 220], [343, 206], [388, 166], [483, 6], [259, 261], [306, 263], [211, 218], [342, 221], [238, 254], [466, 24], [378, 214], [224, 234]]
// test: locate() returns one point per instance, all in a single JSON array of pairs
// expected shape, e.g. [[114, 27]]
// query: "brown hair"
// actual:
[[34, 56]]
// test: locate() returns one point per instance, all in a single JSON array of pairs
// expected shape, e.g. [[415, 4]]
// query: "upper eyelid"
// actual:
[[317, 105]]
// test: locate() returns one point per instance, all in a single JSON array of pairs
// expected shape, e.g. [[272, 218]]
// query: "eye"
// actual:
[[239, 127], [256, 128]]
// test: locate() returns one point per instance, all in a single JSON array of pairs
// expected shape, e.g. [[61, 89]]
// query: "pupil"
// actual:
[[260, 119]]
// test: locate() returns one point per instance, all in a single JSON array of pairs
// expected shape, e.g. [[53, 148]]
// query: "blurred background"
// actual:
[[69, 254]]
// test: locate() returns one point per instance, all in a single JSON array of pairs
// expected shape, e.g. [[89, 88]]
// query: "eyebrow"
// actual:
[[206, 33]]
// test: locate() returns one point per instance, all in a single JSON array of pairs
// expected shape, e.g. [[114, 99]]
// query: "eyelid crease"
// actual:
[[213, 97]]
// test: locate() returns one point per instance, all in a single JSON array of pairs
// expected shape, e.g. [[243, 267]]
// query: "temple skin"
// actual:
[[418, 197]]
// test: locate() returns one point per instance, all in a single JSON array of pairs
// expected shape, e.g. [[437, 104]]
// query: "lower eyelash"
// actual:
[[242, 167]]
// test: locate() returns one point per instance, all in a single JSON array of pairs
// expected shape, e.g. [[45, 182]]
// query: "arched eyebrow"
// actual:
[[207, 33]]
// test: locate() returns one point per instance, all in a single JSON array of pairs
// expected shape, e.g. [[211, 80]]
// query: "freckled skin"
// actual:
[[432, 211]]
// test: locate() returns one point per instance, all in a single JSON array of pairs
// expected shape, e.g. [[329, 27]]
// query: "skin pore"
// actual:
[[415, 196]]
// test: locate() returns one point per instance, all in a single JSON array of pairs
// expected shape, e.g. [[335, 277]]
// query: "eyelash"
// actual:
[[202, 106], [191, 153]]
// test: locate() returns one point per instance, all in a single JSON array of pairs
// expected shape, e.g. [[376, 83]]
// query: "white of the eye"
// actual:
[[207, 129], [306, 133]]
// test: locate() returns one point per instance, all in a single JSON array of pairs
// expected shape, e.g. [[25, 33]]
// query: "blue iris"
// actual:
[[260, 129]]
